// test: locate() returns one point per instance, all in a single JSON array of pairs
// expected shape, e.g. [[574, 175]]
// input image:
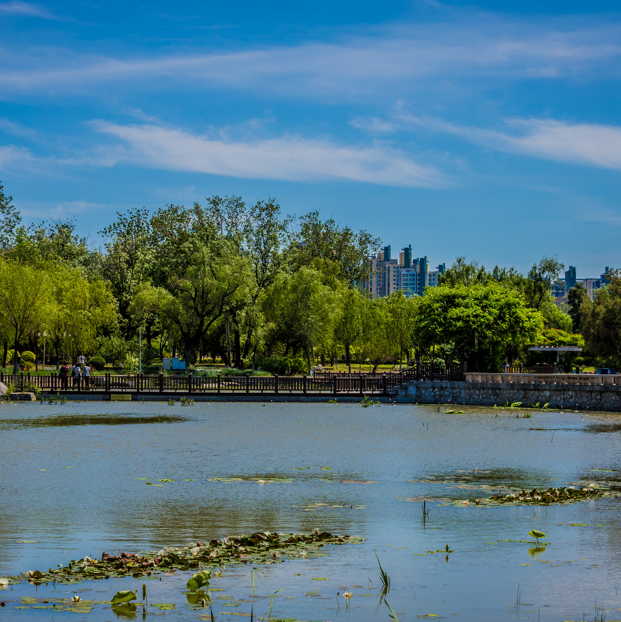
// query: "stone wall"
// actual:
[[577, 397]]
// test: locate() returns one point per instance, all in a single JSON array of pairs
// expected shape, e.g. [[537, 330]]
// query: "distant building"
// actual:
[[408, 274], [561, 289], [570, 278]]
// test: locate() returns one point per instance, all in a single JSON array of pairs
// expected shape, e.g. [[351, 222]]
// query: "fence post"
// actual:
[[276, 384], [360, 382], [335, 389], [218, 384], [22, 381], [160, 381], [247, 383], [384, 384], [107, 382], [304, 385], [190, 383]]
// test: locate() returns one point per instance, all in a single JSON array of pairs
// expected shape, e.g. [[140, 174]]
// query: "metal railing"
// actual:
[[557, 379]]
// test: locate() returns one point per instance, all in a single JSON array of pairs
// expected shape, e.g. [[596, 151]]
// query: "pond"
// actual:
[[82, 478]]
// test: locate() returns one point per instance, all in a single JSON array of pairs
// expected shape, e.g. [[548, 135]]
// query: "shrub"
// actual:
[[97, 362], [282, 365], [9, 356], [152, 370], [130, 364], [150, 355], [28, 356]]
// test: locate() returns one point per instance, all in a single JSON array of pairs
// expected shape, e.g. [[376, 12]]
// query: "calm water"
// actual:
[[70, 487]]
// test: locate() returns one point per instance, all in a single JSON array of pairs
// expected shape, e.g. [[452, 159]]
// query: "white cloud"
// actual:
[[582, 143], [369, 62], [289, 158], [373, 125], [15, 7]]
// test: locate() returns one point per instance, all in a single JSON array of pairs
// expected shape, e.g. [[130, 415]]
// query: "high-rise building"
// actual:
[[570, 278], [411, 275]]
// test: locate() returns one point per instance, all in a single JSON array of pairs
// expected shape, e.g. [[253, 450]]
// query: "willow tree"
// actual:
[[24, 298]]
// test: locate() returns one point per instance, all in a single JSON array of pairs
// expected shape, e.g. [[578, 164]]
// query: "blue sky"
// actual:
[[490, 130]]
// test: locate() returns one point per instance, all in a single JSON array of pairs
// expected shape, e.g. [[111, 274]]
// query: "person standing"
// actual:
[[64, 377], [81, 360], [75, 372], [86, 372]]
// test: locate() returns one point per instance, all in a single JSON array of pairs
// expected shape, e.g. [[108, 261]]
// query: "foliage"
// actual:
[[576, 297], [559, 338], [97, 363], [153, 369], [483, 322], [130, 364], [601, 320], [27, 356], [282, 365]]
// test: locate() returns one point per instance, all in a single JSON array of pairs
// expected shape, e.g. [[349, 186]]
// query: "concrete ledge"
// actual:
[[23, 397], [583, 397]]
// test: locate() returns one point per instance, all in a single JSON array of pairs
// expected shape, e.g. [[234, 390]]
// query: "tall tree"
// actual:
[[10, 221], [576, 298], [23, 301], [482, 322]]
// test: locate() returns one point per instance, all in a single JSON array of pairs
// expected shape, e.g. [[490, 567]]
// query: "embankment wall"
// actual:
[[581, 397]]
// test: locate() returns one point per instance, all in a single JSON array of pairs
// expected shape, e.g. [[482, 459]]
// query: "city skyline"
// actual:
[[491, 135]]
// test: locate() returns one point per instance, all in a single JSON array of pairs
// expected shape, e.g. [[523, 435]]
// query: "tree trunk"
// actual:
[[237, 342], [15, 357], [228, 341], [149, 335], [348, 357], [5, 353]]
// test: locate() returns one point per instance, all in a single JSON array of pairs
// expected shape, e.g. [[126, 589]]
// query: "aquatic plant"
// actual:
[[123, 597], [551, 495], [200, 579], [187, 401], [171, 402], [367, 402], [535, 533], [258, 548]]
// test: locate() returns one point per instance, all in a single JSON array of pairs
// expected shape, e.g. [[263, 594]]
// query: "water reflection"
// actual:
[[65, 421], [136, 488]]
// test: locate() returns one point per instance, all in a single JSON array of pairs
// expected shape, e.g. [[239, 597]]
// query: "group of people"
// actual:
[[79, 372]]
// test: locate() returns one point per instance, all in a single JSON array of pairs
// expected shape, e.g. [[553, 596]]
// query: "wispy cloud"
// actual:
[[15, 7], [389, 58], [374, 125], [289, 158], [581, 143]]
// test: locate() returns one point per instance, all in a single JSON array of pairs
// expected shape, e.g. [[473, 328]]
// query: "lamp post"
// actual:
[[44, 335]]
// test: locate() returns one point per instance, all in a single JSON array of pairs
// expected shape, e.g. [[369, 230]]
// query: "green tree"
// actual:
[[349, 325], [302, 309], [601, 320], [540, 278], [349, 250], [10, 221], [576, 298], [482, 322], [376, 346], [401, 313], [23, 301]]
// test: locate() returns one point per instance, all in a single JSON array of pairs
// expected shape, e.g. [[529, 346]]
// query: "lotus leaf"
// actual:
[[535, 533], [200, 579], [123, 597]]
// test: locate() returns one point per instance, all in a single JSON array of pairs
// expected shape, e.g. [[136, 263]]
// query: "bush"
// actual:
[[9, 356], [130, 364], [97, 363], [150, 355], [282, 365], [152, 370], [28, 357]]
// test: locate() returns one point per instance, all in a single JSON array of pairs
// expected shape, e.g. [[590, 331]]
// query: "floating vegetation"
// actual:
[[187, 401], [258, 548], [367, 402], [455, 412], [61, 421], [257, 480], [535, 496]]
